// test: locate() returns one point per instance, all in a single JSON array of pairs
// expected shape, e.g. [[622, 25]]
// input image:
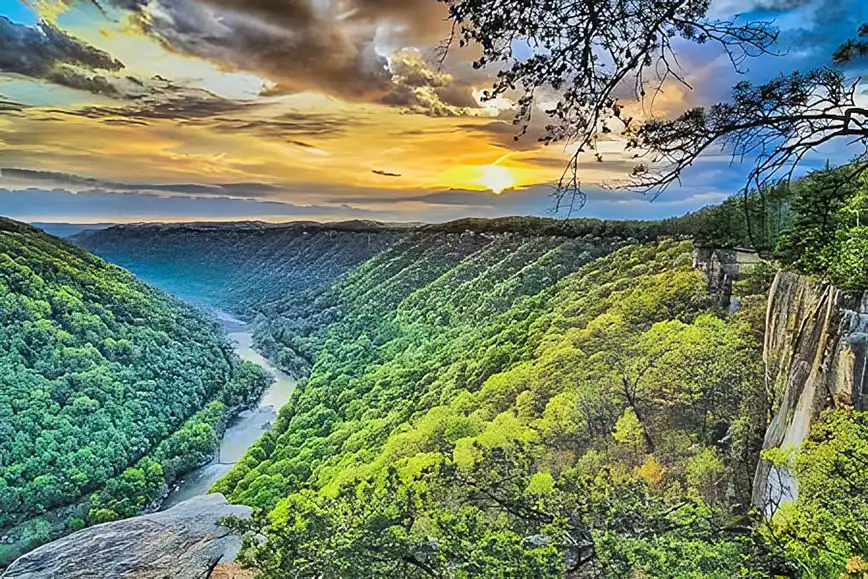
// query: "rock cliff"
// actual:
[[723, 266], [184, 542], [815, 358], [814, 354]]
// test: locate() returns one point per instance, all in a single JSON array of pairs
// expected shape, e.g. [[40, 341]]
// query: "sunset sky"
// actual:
[[133, 110]]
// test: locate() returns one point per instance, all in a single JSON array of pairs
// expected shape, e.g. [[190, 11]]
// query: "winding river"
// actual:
[[247, 426]]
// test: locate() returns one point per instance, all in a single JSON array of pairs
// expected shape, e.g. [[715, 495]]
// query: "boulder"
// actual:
[[184, 542]]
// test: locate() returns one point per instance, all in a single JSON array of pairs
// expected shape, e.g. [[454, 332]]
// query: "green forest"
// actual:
[[486, 403], [527, 397], [109, 389], [245, 269], [816, 225], [524, 403]]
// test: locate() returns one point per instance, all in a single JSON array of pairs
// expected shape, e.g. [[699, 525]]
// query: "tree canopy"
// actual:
[[103, 382]]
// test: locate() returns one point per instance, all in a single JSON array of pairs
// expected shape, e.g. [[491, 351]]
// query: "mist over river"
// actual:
[[247, 427]]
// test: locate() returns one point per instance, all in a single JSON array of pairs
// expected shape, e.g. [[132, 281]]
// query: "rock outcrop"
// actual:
[[723, 266], [184, 542], [815, 355], [815, 358]]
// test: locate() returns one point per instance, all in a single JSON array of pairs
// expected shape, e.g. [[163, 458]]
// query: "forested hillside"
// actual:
[[280, 276], [108, 389], [530, 398], [243, 268], [502, 405]]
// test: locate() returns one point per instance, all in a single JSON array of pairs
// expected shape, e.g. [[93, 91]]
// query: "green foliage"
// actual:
[[824, 531], [36, 532], [755, 281], [274, 273], [7, 555], [628, 429], [280, 275], [819, 201], [817, 225], [101, 383], [756, 220], [462, 419]]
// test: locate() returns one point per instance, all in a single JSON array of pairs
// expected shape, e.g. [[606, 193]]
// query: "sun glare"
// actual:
[[498, 179]]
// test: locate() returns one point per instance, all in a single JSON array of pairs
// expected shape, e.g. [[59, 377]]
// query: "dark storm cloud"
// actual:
[[69, 77], [288, 42], [46, 52], [31, 177], [306, 45], [34, 51]]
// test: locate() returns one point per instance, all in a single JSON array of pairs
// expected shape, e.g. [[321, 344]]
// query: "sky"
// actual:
[[280, 110]]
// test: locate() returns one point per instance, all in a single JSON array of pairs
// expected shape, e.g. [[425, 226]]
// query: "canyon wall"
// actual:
[[815, 358]]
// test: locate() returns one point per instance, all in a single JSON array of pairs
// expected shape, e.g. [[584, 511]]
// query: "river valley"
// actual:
[[246, 428]]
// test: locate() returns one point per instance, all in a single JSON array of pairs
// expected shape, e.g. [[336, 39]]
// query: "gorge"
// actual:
[[509, 366]]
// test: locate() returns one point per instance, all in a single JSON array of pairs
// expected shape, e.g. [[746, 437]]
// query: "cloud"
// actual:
[[505, 134], [46, 52], [420, 89], [71, 78], [338, 49], [34, 204], [75, 182], [602, 203], [289, 127], [726, 8], [7, 106], [291, 43], [163, 101]]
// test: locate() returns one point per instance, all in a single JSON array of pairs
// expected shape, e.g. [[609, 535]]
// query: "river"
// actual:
[[246, 428]]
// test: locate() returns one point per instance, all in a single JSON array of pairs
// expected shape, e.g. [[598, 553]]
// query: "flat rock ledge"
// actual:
[[184, 542]]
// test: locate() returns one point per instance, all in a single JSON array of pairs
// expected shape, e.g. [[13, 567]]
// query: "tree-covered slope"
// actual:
[[243, 268], [524, 397], [497, 404], [280, 276], [98, 372]]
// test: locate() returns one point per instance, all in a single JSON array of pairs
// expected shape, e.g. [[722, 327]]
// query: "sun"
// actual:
[[496, 178]]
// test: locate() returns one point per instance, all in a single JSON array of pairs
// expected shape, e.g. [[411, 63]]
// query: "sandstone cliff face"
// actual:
[[814, 354], [184, 542]]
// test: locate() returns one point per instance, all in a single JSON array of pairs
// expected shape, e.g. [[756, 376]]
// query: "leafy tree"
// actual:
[[463, 421], [823, 532]]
